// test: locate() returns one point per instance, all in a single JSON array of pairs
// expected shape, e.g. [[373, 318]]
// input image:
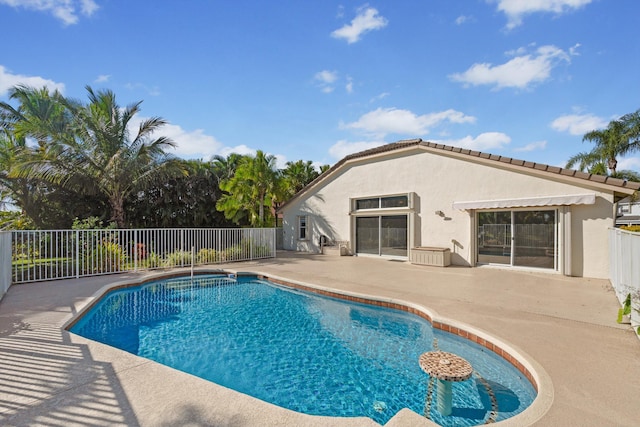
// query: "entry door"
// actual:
[[518, 238], [384, 235]]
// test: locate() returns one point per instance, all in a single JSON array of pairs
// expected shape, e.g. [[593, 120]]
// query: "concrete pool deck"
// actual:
[[51, 377]]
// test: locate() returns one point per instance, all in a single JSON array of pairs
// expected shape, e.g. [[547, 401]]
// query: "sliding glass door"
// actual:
[[368, 235], [384, 235], [526, 238], [535, 239], [494, 237]]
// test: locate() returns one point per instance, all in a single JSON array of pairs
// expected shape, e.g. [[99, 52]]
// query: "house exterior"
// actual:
[[478, 208]]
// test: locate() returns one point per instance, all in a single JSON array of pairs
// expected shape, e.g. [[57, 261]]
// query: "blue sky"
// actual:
[[319, 79]]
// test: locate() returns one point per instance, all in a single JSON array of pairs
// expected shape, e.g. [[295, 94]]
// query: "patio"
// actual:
[[567, 325]]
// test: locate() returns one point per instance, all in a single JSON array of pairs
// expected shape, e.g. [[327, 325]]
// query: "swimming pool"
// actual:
[[302, 351]]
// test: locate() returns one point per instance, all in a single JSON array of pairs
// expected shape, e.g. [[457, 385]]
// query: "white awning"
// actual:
[[575, 199]]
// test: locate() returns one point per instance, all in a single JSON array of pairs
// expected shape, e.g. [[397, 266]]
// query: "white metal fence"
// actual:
[[56, 254], [624, 263]]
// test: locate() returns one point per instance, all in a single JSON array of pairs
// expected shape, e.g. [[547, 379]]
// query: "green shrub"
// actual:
[[152, 260], [207, 256], [232, 253], [106, 257], [633, 228], [178, 258]]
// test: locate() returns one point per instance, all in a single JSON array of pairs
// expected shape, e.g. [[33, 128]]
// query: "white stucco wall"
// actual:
[[438, 181]]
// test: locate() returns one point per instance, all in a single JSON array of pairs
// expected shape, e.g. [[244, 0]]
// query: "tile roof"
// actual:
[[554, 170]]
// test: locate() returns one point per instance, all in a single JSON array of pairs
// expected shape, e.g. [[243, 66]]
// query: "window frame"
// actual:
[[302, 227], [380, 199]]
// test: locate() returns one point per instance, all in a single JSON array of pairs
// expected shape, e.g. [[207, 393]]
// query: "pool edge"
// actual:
[[532, 370]]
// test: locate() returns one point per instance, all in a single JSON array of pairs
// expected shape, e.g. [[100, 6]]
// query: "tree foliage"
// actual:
[[87, 149], [64, 160], [619, 138], [252, 192], [183, 201], [297, 175]]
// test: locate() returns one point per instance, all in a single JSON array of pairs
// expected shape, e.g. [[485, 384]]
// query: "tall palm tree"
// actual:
[[610, 143], [40, 114], [297, 175], [92, 149], [225, 167], [632, 123], [253, 187]]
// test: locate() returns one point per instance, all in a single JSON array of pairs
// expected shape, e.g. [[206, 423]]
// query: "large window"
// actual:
[[526, 238]]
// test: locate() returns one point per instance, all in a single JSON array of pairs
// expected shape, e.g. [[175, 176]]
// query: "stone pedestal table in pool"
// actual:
[[446, 368]]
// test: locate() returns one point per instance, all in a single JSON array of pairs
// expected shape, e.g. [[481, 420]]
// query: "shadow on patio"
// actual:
[[45, 379]]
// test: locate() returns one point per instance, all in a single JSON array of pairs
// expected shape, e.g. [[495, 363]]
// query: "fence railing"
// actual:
[[57, 254], [624, 263]]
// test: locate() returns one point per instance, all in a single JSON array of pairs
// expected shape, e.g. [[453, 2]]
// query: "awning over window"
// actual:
[[576, 199]]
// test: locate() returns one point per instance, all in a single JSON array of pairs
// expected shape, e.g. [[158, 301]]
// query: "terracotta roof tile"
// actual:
[[492, 157]]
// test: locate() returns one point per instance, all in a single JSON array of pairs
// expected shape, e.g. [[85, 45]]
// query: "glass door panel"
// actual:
[[494, 237], [393, 235], [535, 237], [368, 235]]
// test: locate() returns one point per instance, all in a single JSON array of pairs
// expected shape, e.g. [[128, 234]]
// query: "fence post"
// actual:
[[135, 250], [77, 254], [274, 247], [5, 261]]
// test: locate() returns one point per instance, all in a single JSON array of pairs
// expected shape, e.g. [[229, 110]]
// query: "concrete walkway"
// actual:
[[50, 377]]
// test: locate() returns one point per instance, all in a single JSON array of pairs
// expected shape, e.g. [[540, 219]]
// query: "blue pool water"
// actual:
[[301, 351]]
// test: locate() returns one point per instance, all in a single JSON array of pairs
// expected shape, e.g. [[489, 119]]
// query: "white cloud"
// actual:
[[483, 142], [326, 76], [349, 86], [573, 50], [190, 144], [196, 144], [64, 10], [520, 72], [238, 149], [343, 148], [102, 78], [367, 19], [8, 80], [383, 121], [517, 9], [578, 124], [326, 79], [379, 97], [538, 145]]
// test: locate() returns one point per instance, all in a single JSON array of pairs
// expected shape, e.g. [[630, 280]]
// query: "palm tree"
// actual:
[[297, 175], [632, 123], [40, 115], [611, 143], [616, 140], [225, 167], [253, 187], [90, 148]]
